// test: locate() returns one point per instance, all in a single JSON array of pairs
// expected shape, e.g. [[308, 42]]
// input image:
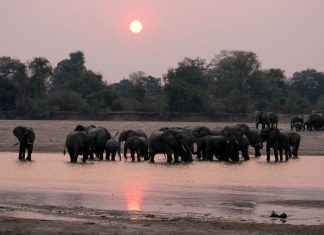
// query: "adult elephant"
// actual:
[[273, 118], [315, 122], [26, 137], [296, 119], [136, 145], [294, 142], [100, 137], [79, 143], [276, 140], [199, 133], [172, 140], [215, 146], [233, 136], [254, 138], [298, 126], [263, 119]]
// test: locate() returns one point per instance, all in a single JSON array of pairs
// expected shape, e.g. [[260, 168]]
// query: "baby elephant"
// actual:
[[136, 145], [112, 147]]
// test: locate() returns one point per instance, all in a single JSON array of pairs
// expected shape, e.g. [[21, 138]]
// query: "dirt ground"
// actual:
[[50, 135], [89, 221]]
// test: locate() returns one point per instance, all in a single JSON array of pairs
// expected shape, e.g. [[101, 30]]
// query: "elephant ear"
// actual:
[[273, 134], [19, 132]]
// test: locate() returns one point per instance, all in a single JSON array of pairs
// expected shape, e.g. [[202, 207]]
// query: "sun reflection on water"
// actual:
[[134, 196]]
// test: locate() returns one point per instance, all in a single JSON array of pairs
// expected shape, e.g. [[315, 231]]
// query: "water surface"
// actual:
[[245, 191]]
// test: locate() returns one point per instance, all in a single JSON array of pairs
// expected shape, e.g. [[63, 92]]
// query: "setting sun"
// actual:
[[135, 26]]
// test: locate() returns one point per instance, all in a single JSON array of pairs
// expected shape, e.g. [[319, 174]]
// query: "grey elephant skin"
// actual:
[[215, 146], [233, 136], [273, 118], [171, 141], [315, 122], [296, 119], [263, 119], [254, 138], [112, 147], [138, 145], [277, 140], [294, 142], [79, 143], [199, 133], [124, 135], [26, 137], [100, 136]]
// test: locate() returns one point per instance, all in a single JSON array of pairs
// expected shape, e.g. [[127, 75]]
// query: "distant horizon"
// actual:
[[283, 34]]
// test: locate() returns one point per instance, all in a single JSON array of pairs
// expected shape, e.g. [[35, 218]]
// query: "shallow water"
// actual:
[[241, 191]]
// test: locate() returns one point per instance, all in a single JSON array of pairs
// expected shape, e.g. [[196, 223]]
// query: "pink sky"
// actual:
[[287, 34]]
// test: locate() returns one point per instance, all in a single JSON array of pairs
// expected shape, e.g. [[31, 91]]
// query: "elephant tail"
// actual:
[[64, 149]]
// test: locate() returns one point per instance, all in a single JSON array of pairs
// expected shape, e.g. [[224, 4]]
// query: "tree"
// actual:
[[40, 71], [186, 85], [232, 69], [13, 75], [309, 83]]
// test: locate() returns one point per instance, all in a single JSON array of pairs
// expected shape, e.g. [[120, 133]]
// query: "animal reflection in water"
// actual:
[[134, 195]]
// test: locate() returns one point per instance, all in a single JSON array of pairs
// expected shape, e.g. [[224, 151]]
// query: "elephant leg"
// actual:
[[113, 155], [20, 152], [151, 156], [245, 155], [287, 150], [91, 156], [275, 149], [85, 157], [169, 155], [23, 153], [101, 154], [257, 152], [107, 154], [138, 153], [132, 154], [268, 152], [30, 150], [281, 154], [199, 150]]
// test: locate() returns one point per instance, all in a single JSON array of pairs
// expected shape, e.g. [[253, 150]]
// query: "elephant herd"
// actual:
[[176, 143], [315, 122]]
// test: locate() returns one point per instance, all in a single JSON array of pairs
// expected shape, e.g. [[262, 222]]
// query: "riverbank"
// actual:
[[50, 135], [62, 220]]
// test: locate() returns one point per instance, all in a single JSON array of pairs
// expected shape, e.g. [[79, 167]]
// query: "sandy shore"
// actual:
[[26, 219]]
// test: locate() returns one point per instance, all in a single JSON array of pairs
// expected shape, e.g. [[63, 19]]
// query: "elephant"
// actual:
[[244, 147], [26, 137], [298, 126], [263, 119], [136, 145], [172, 140], [112, 147], [273, 118], [233, 136], [79, 143], [277, 140], [215, 146], [254, 138], [84, 128], [200, 132], [124, 135], [294, 142], [315, 122], [100, 137], [296, 119]]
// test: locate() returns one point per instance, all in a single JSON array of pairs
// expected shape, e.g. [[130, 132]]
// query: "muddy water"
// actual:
[[247, 191]]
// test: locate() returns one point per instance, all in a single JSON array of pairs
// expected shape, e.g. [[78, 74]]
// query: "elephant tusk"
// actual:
[[30, 143], [183, 148]]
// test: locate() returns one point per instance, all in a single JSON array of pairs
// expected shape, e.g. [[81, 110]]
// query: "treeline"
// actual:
[[232, 82]]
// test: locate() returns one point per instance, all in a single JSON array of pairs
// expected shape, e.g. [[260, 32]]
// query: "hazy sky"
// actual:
[[288, 34]]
